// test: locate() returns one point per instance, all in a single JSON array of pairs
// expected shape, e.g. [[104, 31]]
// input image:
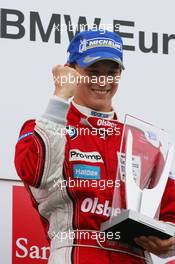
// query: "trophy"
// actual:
[[144, 165]]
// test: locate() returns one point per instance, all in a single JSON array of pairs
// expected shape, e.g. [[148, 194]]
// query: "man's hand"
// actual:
[[156, 245], [66, 80]]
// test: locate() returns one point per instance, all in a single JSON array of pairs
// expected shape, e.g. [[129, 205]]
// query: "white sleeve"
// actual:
[[51, 127]]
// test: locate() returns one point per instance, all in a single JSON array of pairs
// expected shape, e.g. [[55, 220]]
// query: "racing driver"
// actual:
[[51, 151]]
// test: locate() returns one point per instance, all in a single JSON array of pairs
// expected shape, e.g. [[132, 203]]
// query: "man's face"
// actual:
[[98, 85]]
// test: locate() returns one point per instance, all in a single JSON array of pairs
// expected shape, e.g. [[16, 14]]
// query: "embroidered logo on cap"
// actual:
[[86, 44]]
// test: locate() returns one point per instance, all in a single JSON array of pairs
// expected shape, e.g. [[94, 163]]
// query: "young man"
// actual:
[[52, 160]]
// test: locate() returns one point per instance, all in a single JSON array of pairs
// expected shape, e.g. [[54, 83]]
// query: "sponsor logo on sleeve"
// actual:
[[25, 135]]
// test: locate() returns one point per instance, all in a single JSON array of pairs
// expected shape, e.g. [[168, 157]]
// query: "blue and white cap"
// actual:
[[90, 46]]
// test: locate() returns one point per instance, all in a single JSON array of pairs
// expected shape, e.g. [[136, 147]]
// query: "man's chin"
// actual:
[[101, 106]]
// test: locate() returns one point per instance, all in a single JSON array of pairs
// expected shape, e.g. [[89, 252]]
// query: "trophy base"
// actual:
[[132, 224]]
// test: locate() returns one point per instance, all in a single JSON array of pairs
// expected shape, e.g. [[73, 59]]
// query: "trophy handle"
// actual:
[[133, 191], [151, 197]]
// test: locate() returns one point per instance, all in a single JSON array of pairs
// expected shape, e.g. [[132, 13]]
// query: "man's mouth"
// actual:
[[98, 91]]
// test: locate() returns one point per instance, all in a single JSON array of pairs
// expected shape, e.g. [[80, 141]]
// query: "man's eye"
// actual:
[[112, 73], [93, 73]]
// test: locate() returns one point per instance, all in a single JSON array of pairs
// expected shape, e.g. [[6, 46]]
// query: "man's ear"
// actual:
[[72, 65]]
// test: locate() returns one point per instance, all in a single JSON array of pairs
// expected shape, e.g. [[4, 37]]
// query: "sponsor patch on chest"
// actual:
[[81, 171], [77, 155]]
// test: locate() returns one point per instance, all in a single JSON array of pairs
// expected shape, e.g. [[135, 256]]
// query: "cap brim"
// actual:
[[90, 59]]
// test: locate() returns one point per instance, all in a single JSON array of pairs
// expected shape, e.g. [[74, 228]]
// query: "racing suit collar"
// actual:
[[77, 117], [88, 112]]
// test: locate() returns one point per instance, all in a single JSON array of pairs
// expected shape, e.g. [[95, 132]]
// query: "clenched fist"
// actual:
[[66, 81]]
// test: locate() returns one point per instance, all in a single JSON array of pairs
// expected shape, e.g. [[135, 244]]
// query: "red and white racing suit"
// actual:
[[52, 163]]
